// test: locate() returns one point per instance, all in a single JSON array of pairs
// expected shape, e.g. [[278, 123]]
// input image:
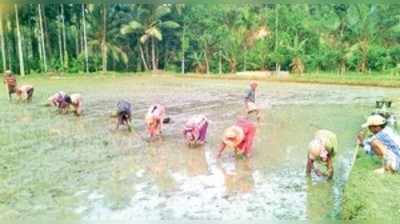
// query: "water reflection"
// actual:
[[190, 183], [196, 163], [238, 176]]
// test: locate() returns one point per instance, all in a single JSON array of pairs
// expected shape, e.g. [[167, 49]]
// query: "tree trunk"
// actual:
[[43, 49], [39, 48], [77, 42], [277, 65], [28, 47], [166, 56], [232, 64], [9, 43], [3, 52], [113, 64], [342, 67], [20, 54], [146, 53], [64, 37], [60, 47], [139, 62], [81, 42], [220, 62], [157, 53], [103, 42], [142, 56], [46, 34], [183, 50], [244, 61], [85, 39], [206, 61], [364, 63], [153, 55], [77, 26]]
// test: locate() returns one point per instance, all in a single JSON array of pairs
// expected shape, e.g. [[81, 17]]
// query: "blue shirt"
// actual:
[[124, 106], [391, 140], [250, 95]]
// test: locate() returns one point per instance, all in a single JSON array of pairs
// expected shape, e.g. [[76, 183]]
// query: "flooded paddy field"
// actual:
[[81, 169]]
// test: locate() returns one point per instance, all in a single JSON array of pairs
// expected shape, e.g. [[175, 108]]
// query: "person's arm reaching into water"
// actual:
[[128, 122], [329, 164], [310, 166], [119, 121]]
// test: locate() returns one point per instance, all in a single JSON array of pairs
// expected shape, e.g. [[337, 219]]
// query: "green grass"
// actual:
[[370, 197]]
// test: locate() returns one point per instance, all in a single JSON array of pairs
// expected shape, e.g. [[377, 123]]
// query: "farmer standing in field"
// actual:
[[124, 113], [11, 83], [250, 100], [240, 137], [195, 130], [322, 149], [154, 119], [384, 143]]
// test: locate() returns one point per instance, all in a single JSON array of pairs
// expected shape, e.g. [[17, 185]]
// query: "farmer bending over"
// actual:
[[24, 92], [240, 137], [124, 113], [195, 130], [11, 83], [322, 149], [56, 99], [154, 119], [74, 102], [385, 143], [250, 100]]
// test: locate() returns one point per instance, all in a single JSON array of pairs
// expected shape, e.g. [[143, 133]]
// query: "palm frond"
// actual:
[[144, 38], [154, 32], [117, 53], [169, 24], [161, 11]]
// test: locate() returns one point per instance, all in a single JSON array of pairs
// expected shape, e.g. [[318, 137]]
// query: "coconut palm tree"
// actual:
[[99, 32], [19, 37], [149, 24]]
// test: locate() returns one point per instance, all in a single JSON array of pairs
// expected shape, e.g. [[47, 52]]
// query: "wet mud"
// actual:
[[82, 169]]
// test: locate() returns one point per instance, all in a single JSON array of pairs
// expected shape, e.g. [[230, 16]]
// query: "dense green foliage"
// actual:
[[200, 38]]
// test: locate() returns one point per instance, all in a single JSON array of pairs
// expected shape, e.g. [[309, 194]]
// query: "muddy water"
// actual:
[[82, 169]]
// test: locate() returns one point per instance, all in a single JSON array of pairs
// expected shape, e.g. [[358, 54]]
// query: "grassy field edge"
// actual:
[[351, 79], [370, 197]]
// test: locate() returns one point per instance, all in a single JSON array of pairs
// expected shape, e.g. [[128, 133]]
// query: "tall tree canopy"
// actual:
[[222, 38]]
